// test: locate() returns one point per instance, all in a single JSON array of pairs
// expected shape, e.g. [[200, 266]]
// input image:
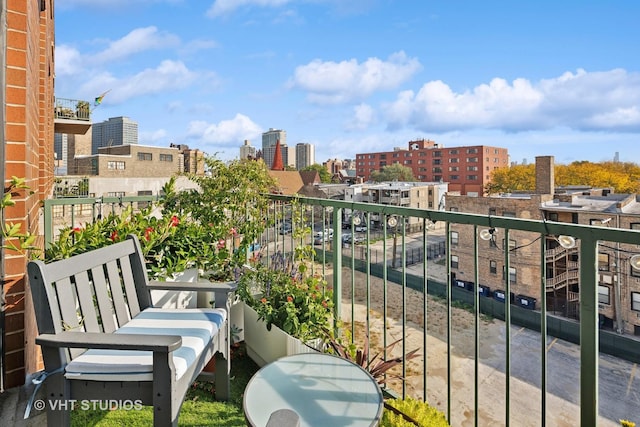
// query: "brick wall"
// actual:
[[28, 154]]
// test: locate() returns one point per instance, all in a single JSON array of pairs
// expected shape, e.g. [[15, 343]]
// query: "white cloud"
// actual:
[[336, 82], [226, 132], [68, 60], [363, 117], [166, 77], [153, 137], [138, 40], [226, 7], [582, 101]]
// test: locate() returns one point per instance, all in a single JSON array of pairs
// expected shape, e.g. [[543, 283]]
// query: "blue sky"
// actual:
[[541, 77]]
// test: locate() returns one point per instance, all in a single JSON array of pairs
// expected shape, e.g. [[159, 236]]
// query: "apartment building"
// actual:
[[129, 161], [269, 140], [619, 283], [248, 151], [305, 155], [467, 169], [27, 127]]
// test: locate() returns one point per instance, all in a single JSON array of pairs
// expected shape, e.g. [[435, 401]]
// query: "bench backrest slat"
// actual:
[[88, 313], [129, 286], [104, 301], [98, 291], [119, 300]]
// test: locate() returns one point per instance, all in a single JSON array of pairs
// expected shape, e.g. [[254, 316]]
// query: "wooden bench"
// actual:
[[102, 340]]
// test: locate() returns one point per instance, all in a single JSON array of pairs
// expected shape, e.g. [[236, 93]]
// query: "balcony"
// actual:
[[485, 360], [72, 116]]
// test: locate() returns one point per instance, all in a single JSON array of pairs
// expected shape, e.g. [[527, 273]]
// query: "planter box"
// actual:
[[176, 299], [264, 346]]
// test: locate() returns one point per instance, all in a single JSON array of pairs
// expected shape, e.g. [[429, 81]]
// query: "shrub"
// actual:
[[410, 412]]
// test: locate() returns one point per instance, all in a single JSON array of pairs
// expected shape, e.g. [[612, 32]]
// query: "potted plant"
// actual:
[[286, 308]]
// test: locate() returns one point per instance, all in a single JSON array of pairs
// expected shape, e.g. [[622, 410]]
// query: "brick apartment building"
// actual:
[[466, 169], [130, 160], [27, 92], [618, 282]]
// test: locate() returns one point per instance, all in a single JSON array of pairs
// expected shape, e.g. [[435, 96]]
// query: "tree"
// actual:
[[394, 172], [623, 177], [325, 176]]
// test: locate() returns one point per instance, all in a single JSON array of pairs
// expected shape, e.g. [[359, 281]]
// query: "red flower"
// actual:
[[175, 221], [289, 298], [114, 236], [324, 304], [233, 232], [263, 300], [77, 229], [147, 233], [221, 244]]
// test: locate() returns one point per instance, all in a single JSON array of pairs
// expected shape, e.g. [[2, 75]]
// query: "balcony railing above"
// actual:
[[72, 116]]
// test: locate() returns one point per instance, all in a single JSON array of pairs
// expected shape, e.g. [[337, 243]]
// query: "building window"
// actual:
[[115, 165], [453, 168], [454, 160], [453, 151], [512, 244], [635, 301], [635, 226], [437, 154], [408, 154], [603, 262], [509, 214], [421, 161], [116, 194], [452, 209], [383, 156], [454, 177], [454, 238], [603, 294], [492, 211], [472, 150], [166, 157], [407, 162], [552, 216], [437, 177], [436, 161], [472, 168], [472, 159], [437, 170], [394, 155], [512, 275], [145, 156], [454, 261], [493, 267], [472, 177]]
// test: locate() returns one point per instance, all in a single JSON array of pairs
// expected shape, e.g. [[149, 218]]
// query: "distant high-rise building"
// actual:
[[269, 140], [112, 132], [247, 151], [288, 155], [305, 155]]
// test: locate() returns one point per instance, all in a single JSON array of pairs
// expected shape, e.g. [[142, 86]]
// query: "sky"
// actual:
[[559, 78]]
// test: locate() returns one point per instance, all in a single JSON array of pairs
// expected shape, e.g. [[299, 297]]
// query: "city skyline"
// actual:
[[537, 79]]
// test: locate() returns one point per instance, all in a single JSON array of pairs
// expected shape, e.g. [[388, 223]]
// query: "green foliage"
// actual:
[[285, 293], [394, 172], [209, 228], [410, 412], [325, 176], [13, 238]]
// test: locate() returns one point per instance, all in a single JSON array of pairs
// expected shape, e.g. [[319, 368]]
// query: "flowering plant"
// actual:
[[285, 295], [209, 228]]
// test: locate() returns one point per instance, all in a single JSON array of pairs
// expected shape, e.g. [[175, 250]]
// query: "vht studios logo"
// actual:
[[85, 405]]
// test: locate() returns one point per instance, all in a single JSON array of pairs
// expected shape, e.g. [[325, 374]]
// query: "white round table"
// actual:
[[323, 389]]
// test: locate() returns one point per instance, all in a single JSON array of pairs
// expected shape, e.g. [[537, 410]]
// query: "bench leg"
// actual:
[[166, 405], [58, 400], [223, 372]]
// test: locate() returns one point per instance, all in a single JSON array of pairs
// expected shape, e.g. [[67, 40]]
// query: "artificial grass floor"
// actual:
[[198, 409]]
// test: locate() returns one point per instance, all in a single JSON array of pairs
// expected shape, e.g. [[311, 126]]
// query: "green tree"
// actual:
[[394, 172], [325, 176]]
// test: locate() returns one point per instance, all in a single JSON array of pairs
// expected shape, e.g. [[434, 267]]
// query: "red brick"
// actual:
[[15, 133], [16, 76], [17, 21], [17, 5], [14, 341], [16, 39], [16, 114], [16, 95]]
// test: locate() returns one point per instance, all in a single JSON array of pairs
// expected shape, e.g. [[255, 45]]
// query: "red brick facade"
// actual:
[[466, 169], [28, 145]]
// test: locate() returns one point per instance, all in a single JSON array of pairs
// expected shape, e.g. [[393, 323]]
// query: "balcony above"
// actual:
[[72, 116]]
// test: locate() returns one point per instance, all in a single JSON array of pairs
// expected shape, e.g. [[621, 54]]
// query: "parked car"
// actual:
[[285, 228], [361, 228]]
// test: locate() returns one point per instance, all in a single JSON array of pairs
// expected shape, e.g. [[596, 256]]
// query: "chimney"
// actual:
[[545, 175]]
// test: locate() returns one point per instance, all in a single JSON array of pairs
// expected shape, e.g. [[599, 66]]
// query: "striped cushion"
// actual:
[[197, 327]]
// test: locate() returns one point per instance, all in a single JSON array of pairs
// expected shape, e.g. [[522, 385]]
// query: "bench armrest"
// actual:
[[68, 339]]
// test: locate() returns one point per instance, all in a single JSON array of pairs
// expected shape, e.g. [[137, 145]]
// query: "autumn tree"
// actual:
[[623, 177], [514, 178], [394, 172]]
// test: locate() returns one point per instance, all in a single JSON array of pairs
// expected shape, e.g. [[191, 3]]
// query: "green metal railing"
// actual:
[[355, 258]]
